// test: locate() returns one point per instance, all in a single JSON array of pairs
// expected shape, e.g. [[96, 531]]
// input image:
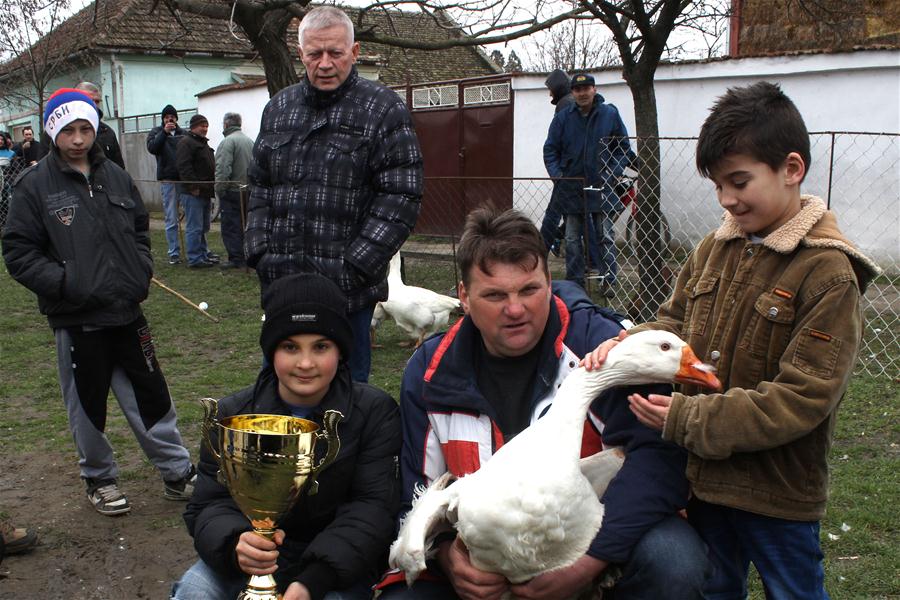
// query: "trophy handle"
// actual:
[[330, 420], [210, 410]]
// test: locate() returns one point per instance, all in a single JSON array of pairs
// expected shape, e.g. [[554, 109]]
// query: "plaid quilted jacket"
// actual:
[[336, 185]]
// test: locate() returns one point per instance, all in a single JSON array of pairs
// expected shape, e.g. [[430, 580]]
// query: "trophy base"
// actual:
[[261, 587]]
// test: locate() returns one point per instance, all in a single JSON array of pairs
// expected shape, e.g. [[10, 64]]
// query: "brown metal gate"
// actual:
[[465, 129]]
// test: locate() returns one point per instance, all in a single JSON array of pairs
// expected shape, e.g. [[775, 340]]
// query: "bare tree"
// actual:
[[465, 23], [573, 45], [30, 62], [641, 30]]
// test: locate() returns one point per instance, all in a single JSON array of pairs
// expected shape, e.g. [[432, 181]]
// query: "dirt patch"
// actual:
[[83, 555]]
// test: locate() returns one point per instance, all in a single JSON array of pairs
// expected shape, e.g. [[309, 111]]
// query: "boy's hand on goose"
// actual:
[[652, 410], [561, 583], [469, 582], [596, 357], [256, 555]]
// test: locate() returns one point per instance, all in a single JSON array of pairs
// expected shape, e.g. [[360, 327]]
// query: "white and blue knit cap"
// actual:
[[67, 105]]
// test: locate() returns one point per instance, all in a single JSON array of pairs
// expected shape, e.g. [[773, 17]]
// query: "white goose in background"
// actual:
[[417, 311], [530, 508]]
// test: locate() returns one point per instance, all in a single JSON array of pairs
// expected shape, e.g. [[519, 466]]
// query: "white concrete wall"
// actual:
[[851, 92], [249, 103]]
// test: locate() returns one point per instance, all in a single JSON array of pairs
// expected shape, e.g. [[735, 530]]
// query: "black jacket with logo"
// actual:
[[337, 537], [82, 244]]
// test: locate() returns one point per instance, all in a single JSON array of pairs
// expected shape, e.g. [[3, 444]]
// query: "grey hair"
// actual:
[[231, 119], [323, 17], [87, 86]]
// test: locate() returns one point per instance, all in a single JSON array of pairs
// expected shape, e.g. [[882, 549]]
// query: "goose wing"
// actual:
[[600, 468], [425, 520]]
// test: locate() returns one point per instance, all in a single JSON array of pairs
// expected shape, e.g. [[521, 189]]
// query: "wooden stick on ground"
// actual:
[[182, 298]]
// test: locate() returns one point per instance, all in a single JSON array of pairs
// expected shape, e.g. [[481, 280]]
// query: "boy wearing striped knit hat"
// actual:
[[78, 237]]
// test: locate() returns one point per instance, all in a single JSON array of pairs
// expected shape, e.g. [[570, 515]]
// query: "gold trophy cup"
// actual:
[[266, 461]]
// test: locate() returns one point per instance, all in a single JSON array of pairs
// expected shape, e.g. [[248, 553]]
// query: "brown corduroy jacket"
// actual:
[[780, 318]]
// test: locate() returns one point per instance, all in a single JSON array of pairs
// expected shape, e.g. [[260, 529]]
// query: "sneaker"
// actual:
[[174, 260], [17, 540], [232, 264], [213, 257], [106, 497], [181, 489]]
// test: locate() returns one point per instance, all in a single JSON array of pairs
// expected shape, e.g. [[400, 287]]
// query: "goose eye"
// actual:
[[665, 346]]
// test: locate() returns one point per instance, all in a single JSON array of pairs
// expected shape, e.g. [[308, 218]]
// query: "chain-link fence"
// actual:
[[857, 174]]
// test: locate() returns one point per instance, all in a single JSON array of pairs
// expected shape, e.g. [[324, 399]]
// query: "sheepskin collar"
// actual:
[[814, 227]]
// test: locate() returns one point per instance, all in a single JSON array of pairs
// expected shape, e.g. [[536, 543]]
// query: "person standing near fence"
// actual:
[[78, 236], [336, 180], [588, 140], [233, 157], [196, 166], [162, 142], [29, 150], [557, 83]]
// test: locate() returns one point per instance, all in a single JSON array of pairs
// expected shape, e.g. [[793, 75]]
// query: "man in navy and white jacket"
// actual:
[[468, 391]]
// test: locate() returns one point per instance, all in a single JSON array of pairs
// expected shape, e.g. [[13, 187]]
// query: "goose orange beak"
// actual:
[[695, 372]]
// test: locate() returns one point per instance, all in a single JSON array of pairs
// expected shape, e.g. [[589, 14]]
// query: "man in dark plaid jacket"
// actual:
[[336, 179]]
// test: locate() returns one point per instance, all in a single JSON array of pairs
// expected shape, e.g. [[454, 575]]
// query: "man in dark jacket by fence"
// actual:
[[78, 237], [588, 140], [196, 164], [336, 180], [162, 142], [557, 83]]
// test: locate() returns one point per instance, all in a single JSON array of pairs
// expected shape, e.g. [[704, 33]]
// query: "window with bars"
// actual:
[[430, 97], [491, 93]]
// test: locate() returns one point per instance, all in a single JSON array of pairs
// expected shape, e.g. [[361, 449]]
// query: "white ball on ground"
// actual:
[[203, 305]]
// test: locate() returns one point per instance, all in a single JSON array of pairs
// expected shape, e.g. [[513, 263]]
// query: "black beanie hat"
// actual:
[[305, 303], [169, 110], [197, 120]]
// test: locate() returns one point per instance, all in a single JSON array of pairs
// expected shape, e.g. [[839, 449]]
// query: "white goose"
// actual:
[[531, 509], [417, 311]]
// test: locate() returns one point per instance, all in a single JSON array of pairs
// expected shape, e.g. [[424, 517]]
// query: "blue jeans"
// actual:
[[196, 224], [552, 217], [668, 562], [601, 246], [169, 192], [200, 582], [232, 225], [786, 554], [361, 359]]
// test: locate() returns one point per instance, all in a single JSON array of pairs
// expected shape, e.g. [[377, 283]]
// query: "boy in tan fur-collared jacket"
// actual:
[[772, 299]]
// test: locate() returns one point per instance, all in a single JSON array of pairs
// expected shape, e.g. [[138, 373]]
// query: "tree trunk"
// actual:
[[654, 275], [266, 31]]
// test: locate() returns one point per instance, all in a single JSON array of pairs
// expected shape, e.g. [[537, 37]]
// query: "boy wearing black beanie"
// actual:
[[336, 540]]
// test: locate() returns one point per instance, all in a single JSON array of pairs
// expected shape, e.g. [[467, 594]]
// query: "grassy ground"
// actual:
[[203, 358]]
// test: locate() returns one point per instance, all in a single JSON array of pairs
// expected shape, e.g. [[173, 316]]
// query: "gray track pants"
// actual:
[[124, 358]]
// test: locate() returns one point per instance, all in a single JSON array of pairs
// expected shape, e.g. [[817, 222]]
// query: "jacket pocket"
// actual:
[[700, 292], [769, 330], [274, 149], [346, 156], [816, 353], [134, 272]]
